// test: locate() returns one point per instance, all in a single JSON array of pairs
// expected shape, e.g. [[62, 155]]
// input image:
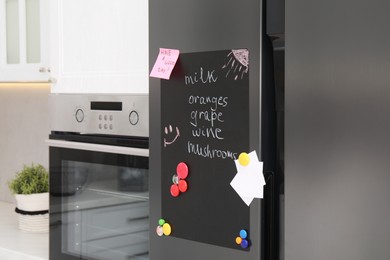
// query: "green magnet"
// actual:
[[161, 221]]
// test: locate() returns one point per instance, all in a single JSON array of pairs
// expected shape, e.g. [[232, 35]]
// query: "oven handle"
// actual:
[[98, 147]]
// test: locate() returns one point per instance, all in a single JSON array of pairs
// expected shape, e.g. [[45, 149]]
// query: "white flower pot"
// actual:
[[31, 203]]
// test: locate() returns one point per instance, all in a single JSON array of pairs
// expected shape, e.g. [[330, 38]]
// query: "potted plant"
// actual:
[[31, 189]]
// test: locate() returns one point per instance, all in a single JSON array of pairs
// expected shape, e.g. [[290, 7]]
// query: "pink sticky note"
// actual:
[[165, 63]]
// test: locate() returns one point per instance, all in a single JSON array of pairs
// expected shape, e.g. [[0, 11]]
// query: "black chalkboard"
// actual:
[[205, 124]]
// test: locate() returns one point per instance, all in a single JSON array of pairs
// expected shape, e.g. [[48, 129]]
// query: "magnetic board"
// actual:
[[205, 124]]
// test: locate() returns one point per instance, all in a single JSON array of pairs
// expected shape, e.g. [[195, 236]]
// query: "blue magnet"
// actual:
[[243, 234], [244, 243]]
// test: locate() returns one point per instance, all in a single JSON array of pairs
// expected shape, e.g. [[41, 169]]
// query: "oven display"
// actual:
[[108, 106]]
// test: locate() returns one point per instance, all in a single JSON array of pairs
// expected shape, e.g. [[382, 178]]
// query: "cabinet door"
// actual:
[[99, 46], [24, 35]]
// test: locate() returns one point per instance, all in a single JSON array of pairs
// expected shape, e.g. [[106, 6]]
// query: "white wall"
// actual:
[[23, 129]]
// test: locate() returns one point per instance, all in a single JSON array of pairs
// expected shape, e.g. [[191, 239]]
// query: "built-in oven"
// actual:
[[98, 166]]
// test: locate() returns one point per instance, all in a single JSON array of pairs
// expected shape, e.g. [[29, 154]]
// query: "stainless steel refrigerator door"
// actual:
[[337, 141], [198, 26]]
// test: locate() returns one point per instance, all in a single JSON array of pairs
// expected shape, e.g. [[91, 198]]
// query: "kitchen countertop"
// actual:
[[16, 244]]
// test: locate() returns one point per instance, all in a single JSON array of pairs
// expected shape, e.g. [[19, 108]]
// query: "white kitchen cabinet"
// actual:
[[24, 40], [99, 46]]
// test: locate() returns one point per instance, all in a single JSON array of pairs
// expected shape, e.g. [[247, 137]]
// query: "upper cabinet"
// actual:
[[24, 40], [99, 46]]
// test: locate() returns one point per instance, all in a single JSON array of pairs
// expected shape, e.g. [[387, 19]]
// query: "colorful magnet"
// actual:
[[243, 240], [163, 228], [159, 231], [182, 170], [167, 229], [161, 221], [244, 159], [175, 190], [244, 243], [183, 186], [243, 234], [175, 179]]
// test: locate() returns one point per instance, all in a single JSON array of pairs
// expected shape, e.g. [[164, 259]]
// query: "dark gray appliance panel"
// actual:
[[337, 141]]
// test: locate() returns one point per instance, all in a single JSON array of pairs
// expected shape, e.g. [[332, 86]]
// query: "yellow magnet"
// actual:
[[238, 240], [167, 229], [244, 159]]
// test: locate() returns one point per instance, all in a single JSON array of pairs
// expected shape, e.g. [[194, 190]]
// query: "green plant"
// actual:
[[32, 179]]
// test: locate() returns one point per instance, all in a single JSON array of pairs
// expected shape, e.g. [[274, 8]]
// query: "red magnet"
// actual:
[[175, 190], [183, 186], [182, 170]]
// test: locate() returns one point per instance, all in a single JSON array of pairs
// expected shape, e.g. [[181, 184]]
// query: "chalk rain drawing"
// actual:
[[238, 63]]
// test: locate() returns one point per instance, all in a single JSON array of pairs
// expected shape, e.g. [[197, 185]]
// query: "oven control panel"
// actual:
[[126, 115]]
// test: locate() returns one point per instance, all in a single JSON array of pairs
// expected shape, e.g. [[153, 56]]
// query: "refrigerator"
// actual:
[[302, 89]]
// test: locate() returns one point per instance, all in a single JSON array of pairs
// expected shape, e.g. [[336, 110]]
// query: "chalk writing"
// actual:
[[206, 121], [204, 100], [209, 116], [203, 77], [207, 152]]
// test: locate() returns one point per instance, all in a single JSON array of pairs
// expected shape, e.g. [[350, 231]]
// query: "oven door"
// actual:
[[99, 201]]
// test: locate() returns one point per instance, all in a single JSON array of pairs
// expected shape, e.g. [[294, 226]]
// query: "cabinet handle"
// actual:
[[44, 70], [52, 80]]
